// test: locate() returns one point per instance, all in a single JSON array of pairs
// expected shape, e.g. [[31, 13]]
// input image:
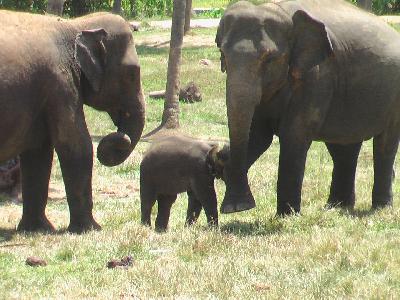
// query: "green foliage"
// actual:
[[382, 7], [24, 5], [73, 8], [212, 13]]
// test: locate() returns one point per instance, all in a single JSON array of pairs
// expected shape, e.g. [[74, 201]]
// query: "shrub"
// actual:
[[73, 8]]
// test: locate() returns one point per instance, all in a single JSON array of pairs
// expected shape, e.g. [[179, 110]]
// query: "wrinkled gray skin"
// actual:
[[50, 67], [309, 70], [178, 164]]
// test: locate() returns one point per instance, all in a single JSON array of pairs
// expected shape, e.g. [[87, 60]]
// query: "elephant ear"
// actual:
[[216, 160], [90, 55], [311, 43]]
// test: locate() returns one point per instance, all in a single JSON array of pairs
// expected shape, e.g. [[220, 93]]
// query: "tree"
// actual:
[[78, 7], [188, 15], [170, 118], [55, 7], [365, 4], [117, 7]]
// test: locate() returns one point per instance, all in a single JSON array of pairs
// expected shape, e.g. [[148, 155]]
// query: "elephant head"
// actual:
[[264, 50], [216, 161], [110, 81]]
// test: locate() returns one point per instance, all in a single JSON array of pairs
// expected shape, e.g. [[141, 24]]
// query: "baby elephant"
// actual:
[[178, 164]]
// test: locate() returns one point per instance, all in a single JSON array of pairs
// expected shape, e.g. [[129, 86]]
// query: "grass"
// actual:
[[321, 254]]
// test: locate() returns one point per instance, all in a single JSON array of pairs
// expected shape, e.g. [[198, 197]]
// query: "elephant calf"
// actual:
[[177, 164]]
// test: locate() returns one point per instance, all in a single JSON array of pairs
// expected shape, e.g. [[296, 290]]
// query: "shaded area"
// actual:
[[257, 228], [6, 234]]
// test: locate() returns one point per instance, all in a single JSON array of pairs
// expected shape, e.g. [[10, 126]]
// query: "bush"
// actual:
[[38, 6], [74, 8], [382, 7]]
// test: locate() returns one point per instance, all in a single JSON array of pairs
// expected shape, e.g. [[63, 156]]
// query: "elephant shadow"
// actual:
[[358, 213], [257, 228]]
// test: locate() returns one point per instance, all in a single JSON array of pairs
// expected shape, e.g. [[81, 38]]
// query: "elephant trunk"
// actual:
[[116, 147], [242, 97]]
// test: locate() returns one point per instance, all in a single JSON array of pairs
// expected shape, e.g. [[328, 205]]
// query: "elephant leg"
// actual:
[[343, 175], [260, 138], [147, 200], [35, 176], [193, 210], [205, 193], [77, 174], [292, 158], [164, 209], [74, 148], [385, 149]]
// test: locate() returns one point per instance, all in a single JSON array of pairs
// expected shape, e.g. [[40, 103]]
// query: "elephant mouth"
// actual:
[[114, 149]]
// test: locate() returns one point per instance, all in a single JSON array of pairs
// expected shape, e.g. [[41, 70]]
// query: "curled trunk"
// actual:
[[116, 147]]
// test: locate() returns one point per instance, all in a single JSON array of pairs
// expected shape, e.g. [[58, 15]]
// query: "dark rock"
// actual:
[[124, 262], [35, 261], [190, 93]]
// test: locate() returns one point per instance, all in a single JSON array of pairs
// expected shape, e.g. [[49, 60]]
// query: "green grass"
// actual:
[[210, 3], [322, 254]]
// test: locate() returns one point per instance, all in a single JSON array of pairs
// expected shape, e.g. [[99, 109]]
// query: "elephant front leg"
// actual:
[[292, 158], [76, 166], [344, 158], [75, 152], [35, 175], [385, 149], [193, 210], [204, 192]]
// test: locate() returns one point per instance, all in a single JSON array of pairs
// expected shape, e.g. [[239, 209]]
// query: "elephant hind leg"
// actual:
[[385, 149], [35, 175], [342, 192], [147, 200], [164, 208]]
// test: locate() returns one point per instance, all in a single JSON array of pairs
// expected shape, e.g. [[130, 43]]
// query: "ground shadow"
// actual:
[[151, 50], [255, 228], [358, 213], [6, 234]]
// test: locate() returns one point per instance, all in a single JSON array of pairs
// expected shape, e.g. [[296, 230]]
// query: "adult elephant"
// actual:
[[49, 68], [309, 70]]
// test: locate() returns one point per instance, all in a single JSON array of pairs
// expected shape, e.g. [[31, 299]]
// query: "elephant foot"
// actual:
[[41, 224], [83, 225], [382, 203], [160, 229], [236, 204], [336, 203], [287, 209]]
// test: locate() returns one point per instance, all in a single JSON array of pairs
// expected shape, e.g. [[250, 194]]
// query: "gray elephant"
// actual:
[[177, 164], [309, 70], [50, 67]]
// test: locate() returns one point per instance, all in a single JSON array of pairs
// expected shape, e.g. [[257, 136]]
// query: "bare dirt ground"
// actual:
[[193, 40], [161, 40]]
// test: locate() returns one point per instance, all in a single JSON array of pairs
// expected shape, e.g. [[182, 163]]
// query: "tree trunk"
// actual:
[[79, 7], [365, 4], [133, 8], [170, 117], [117, 7], [55, 7], [188, 15]]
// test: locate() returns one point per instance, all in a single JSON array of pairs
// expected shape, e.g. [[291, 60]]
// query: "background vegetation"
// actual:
[[153, 8], [322, 254]]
